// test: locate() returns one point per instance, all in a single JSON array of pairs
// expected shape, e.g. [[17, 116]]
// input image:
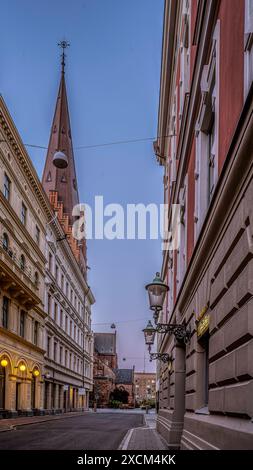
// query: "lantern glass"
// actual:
[[4, 362], [36, 373], [22, 367], [157, 291], [149, 334]]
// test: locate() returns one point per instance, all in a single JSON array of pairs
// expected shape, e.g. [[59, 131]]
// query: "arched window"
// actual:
[[22, 262], [5, 242]]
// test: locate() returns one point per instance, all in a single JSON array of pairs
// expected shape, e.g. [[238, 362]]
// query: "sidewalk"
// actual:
[[146, 438], [12, 423]]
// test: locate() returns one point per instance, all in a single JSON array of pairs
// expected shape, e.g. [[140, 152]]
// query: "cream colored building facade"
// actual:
[[46, 341], [68, 336], [24, 210]]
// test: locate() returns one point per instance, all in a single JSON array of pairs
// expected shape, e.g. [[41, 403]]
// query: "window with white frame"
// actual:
[[171, 287], [182, 250], [184, 55], [206, 133], [248, 47], [173, 141]]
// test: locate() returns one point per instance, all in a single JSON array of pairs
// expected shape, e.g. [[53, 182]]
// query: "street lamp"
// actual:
[[157, 291], [149, 334]]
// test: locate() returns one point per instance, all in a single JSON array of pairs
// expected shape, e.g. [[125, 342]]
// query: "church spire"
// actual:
[[61, 178]]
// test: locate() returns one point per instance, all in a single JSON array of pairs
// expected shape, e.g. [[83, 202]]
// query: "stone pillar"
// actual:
[[10, 393], [40, 395], [179, 400], [13, 318], [48, 391], [61, 398], [40, 336], [28, 328], [25, 395], [56, 396]]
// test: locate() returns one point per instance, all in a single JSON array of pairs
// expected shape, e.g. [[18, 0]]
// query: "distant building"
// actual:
[[125, 381], [145, 386], [104, 363]]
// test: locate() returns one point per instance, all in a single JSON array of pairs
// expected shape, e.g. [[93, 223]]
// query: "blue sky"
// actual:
[[112, 75]]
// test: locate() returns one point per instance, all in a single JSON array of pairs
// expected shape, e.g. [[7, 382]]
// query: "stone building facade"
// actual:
[[145, 386], [24, 211], [46, 342], [205, 145]]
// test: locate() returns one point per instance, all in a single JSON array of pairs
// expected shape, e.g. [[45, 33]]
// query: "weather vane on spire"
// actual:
[[63, 45]]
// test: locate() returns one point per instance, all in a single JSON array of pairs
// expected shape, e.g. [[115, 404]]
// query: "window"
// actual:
[[67, 289], [182, 251], [48, 346], [5, 312], [74, 332], [61, 354], [36, 333], [37, 235], [61, 318], [5, 242], [49, 304], [70, 328], [184, 55], [55, 311], [211, 162], [56, 273], [70, 360], [66, 357], [55, 351], [66, 324], [22, 324], [248, 59], [71, 296], [36, 279], [23, 214], [173, 142], [62, 282], [50, 261], [22, 262], [7, 187], [206, 159]]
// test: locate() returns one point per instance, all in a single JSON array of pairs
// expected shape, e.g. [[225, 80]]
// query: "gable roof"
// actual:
[[105, 343], [124, 376]]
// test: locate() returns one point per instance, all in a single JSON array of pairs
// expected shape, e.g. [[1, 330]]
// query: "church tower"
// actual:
[[59, 175]]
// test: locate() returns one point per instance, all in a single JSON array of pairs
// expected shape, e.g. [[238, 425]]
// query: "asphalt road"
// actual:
[[103, 431]]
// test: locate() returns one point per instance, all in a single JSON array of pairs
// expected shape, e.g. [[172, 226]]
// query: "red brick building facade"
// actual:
[[104, 365], [205, 144], [145, 386]]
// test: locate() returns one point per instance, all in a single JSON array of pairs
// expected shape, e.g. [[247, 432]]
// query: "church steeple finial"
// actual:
[[63, 45]]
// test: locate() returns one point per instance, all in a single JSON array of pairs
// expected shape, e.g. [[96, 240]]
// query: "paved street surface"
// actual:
[[91, 431]]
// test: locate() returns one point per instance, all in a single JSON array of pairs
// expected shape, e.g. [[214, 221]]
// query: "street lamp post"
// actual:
[[157, 292]]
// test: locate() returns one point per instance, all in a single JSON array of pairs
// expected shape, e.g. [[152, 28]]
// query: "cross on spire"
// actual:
[[63, 45]]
